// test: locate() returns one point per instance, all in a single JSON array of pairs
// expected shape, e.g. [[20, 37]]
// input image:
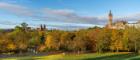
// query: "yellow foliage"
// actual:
[[48, 41], [51, 42], [11, 46], [41, 48], [22, 46], [116, 43]]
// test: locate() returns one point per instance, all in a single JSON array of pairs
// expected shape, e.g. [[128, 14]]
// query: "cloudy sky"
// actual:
[[66, 14]]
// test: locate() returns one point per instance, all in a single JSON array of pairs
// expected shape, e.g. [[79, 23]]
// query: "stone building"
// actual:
[[120, 24]]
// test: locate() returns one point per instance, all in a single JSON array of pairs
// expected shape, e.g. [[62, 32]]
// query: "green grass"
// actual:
[[91, 56]]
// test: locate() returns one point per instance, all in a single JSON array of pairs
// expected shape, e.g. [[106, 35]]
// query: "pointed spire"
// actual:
[[41, 27], [110, 13], [44, 26]]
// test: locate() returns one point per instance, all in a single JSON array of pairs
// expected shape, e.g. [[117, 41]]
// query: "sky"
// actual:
[[66, 14]]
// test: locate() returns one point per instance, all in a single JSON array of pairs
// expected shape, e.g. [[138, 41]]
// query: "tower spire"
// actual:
[[110, 18], [110, 13]]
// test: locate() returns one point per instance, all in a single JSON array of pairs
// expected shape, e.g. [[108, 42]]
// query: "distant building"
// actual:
[[136, 25], [110, 16], [120, 24], [42, 27]]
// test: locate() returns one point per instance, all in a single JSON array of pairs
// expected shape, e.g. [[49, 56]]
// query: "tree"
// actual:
[[24, 26], [116, 40], [103, 40], [53, 40], [92, 37], [134, 39], [125, 39], [66, 41], [82, 41], [20, 38]]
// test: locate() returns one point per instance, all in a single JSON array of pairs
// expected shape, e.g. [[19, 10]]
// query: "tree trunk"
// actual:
[[117, 49], [135, 46]]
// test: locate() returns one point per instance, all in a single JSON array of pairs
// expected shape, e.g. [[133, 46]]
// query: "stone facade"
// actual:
[[120, 24]]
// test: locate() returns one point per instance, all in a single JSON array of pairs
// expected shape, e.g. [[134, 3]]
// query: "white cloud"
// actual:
[[51, 15], [67, 15], [63, 12], [15, 9], [7, 23]]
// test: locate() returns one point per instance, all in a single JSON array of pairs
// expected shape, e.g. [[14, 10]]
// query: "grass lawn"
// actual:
[[91, 56]]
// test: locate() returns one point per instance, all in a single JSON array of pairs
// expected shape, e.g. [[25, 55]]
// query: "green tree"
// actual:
[[103, 40], [24, 26], [134, 38]]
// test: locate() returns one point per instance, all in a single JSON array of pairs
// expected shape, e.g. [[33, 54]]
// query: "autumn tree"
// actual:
[[53, 40], [103, 40], [80, 41], [116, 40], [134, 39], [66, 41]]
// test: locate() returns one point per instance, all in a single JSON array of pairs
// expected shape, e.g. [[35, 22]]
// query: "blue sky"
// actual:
[[66, 14]]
